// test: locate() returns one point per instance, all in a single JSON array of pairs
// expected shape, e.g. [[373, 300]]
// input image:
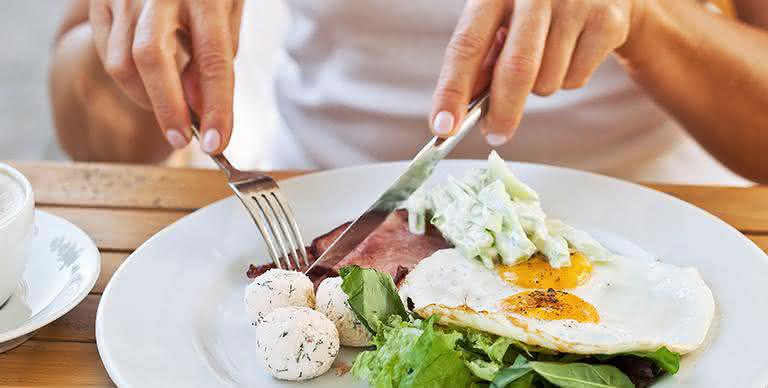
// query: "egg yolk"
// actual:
[[551, 305], [537, 273]]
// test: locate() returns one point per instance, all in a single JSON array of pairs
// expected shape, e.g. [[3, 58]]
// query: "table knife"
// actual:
[[418, 171]]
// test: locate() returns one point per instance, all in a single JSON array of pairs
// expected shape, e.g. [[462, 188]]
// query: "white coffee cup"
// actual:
[[17, 205]]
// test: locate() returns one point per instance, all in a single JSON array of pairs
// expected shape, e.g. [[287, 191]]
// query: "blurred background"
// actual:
[[27, 29]]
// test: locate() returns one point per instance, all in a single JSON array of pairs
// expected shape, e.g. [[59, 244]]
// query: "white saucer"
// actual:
[[63, 266]]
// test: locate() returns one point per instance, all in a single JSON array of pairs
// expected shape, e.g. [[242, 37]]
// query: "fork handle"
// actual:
[[219, 159]]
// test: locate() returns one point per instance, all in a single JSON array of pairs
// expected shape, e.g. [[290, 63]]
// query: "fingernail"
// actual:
[[495, 140], [443, 124], [175, 138], [211, 141]]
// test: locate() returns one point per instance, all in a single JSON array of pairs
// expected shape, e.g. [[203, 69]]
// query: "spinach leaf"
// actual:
[[666, 360], [518, 375], [526, 381], [372, 296], [580, 375]]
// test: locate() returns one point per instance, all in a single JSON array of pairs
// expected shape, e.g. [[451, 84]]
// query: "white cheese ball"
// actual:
[[277, 288], [296, 343], [333, 302]]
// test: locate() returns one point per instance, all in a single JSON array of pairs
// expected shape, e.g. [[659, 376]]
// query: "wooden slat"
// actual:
[[53, 364], [78, 325], [120, 185], [110, 261], [744, 208], [761, 241], [118, 229]]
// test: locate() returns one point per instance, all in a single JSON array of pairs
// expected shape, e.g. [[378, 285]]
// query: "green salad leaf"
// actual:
[[665, 359], [414, 354], [519, 374], [372, 296], [411, 352], [580, 375], [522, 373]]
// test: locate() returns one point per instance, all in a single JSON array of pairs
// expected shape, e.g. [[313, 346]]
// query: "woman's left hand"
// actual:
[[524, 46]]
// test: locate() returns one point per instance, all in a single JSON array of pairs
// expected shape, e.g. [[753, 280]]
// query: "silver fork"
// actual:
[[272, 214]]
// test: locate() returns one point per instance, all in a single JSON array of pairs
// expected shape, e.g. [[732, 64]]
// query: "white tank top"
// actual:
[[355, 82]]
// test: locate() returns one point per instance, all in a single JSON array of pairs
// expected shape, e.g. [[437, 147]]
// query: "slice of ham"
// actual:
[[390, 248], [392, 245]]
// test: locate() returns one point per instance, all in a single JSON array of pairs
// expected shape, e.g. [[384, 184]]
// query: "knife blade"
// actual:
[[418, 171]]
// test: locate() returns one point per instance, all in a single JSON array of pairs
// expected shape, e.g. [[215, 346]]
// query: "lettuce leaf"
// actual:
[[414, 354]]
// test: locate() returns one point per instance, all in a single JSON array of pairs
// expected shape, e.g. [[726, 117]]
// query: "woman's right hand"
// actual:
[[168, 55]]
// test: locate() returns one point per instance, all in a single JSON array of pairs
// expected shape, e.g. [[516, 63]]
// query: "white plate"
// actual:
[[62, 269], [172, 315]]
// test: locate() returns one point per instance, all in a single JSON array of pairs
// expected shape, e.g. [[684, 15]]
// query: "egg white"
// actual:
[[642, 305]]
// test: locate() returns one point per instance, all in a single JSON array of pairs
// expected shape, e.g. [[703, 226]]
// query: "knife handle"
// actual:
[[476, 110]]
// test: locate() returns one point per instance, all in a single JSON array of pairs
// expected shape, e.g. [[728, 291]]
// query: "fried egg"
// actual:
[[586, 308]]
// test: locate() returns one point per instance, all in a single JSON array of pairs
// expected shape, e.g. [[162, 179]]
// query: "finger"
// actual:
[[154, 57], [235, 21], [486, 71], [118, 61], [604, 32], [516, 69], [567, 24], [464, 57], [190, 80], [100, 18], [213, 55]]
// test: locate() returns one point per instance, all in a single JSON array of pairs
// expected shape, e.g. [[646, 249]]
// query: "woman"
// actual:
[[357, 81]]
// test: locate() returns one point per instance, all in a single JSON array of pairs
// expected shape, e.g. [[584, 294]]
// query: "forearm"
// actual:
[[94, 119], [710, 73]]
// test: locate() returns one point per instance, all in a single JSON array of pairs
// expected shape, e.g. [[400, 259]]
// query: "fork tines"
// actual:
[[277, 224]]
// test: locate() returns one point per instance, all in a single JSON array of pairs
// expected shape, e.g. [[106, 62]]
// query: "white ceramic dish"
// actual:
[[17, 218], [63, 265], [172, 315]]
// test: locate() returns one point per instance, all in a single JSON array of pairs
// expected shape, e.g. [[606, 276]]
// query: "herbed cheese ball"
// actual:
[[277, 288], [296, 343], [333, 302]]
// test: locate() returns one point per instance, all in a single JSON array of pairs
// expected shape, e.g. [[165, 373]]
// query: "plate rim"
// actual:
[[115, 375], [84, 291]]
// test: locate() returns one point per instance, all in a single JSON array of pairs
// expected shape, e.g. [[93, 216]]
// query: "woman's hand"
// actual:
[[524, 46], [167, 55]]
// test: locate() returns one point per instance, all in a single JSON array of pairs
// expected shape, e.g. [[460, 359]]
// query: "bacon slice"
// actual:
[[390, 248]]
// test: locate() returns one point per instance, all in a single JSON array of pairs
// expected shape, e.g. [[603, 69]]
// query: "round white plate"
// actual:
[[63, 266], [172, 315]]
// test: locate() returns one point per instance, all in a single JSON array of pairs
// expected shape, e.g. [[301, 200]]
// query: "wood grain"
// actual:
[[761, 241], [127, 186], [117, 229], [77, 325], [744, 208], [110, 261], [53, 364]]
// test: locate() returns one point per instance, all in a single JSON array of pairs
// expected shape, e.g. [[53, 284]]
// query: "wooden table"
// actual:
[[121, 206]]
